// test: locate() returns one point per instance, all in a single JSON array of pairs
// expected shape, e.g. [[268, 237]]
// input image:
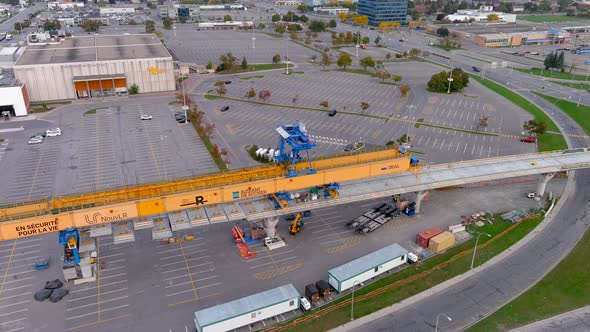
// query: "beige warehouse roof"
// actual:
[[95, 48]]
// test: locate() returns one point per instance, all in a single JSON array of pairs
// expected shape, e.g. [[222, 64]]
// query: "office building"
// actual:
[[379, 11]]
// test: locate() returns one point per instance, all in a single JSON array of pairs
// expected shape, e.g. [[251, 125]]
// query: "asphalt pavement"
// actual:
[[572, 321], [485, 292]]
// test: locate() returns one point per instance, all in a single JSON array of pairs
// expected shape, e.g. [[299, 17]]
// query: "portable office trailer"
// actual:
[[247, 310], [367, 267]]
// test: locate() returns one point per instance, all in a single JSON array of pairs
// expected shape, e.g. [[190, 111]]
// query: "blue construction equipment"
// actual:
[[41, 264], [69, 238], [280, 200], [296, 136], [331, 189], [414, 161]]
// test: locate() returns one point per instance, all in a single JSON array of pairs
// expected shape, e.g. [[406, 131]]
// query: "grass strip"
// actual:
[[415, 278], [550, 18], [246, 78], [546, 142], [553, 74], [563, 289], [580, 114], [579, 86], [93, 111], [207, 142]]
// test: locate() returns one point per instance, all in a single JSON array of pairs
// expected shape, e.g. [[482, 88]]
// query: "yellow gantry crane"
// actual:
[[57, 213]]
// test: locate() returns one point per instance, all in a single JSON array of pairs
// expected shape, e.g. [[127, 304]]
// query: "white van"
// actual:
[[8, 36]]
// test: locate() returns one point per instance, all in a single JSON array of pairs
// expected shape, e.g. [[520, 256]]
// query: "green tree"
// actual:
[[403, 139], [332, 23], [251, 93], [564, 5], [493, 17], [303, 19], [397, 78], [404, 89], [227, 18], [131, 22], [294, 27], [443, 32], [102, 3], [133, 89], [280, 29], [276, 18], [51, 25], [561, 62], [261, 26], [228, 60], [545, 6], [377, 40], [290, 17], [326, 61], [414, 52], [302, 8], [244, 62], [367, 62], [364, 105], [182, 19], [90, 25], [150, 26], [344, 60], [317, 26], [209, 65], [167, 22], [535, 127], [366, 40], [383, 75], [439, 82], [276, 58]]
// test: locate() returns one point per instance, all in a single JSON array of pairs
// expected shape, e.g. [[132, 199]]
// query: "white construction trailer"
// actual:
[[367, 267], [247, 310]]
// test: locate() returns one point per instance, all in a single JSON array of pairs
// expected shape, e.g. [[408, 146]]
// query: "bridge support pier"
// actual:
[[543, 183], [419, 197]]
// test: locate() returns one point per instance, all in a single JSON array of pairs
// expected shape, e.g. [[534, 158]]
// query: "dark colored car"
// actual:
[[332, 112], [227, 82], [225, 108], [348, 147], [475, 69]]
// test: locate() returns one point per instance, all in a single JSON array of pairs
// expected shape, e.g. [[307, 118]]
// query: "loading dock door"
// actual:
[[100, 85]]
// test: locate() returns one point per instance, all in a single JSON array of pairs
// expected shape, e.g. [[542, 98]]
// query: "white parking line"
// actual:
[[16, 329], [277, 254], [280, 260], [184, 268], [118, 307], [94, 295], [207, 286], [20, 248], [14, 312], [101, 302], [182, 261], [184, 291], [18, 280], [113, 255], [188, 282], [112, 276], [12, 321], [9, 305]]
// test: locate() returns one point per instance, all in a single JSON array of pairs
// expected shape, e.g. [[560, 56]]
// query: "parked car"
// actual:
[[146, 117], [227, 82], [35, 140], [225, 108], [53, 132], [348, 147], [475, 69], [531, 195], [332, 112], [528, 139]]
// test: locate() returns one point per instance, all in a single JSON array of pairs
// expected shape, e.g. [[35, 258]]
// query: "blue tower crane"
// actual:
[[296, 136]]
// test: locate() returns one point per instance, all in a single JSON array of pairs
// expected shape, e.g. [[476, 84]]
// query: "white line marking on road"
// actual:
[[12, 321], [14, 312]]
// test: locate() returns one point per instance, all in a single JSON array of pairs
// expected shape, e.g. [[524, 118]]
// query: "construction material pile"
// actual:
[[53, 291], [477, 218]]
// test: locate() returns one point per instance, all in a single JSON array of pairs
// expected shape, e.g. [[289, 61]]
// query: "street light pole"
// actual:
[[475, 248], [450, 79], [437, 317], [352, 300]]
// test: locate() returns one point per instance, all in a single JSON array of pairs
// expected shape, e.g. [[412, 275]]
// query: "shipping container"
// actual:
[[312, 293], [441, 242], [324, 288], [247, 310], [423, 237], [366, 267]]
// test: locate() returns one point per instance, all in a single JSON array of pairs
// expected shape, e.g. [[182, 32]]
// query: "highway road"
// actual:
[[485, 292]]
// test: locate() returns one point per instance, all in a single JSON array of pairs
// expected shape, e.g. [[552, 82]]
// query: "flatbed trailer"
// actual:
[[374, 219]]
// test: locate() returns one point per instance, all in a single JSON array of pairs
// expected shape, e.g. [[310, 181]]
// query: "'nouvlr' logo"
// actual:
[[99, 218]]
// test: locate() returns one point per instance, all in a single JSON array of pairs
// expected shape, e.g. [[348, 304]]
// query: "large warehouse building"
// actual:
[[95, 66]]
